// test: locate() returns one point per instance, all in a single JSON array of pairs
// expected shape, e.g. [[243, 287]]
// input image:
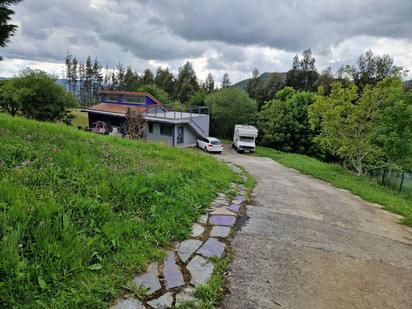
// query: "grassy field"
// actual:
[[80, 119], [335, 174], [80, 213]]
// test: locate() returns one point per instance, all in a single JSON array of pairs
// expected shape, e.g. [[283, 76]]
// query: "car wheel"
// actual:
[[205, 149]]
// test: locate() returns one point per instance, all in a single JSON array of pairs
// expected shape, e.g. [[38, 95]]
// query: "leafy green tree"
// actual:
[[6, 29], [131, 79], [186, 83], [226, 81], [157, 92], [326, 80], [39, 96], [303, 75], [284, 123], [198, 98], [8, 100], [230, 106], [368, 130]]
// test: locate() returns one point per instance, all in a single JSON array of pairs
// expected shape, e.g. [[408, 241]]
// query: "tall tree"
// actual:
[[326, 79], [148, 77], [226, 81], [186, 83], [303, 75], [6, 29], [209, 85], [165, 80], [97, 80], [131, 80], [372, 69]]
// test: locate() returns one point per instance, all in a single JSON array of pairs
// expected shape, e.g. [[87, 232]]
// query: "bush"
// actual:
[[230, 106], [37, 95]]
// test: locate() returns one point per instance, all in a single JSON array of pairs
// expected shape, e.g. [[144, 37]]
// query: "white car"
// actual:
[[210, 144]]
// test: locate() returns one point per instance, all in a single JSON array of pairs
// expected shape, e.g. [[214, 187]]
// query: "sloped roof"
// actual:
[[116, 108], [130, 93]]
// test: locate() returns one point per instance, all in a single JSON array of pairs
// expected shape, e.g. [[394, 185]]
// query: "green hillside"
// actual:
[[80, 213], [264, 78]]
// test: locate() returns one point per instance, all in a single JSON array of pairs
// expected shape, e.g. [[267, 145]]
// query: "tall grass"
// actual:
[[80, 213], [342, 178]]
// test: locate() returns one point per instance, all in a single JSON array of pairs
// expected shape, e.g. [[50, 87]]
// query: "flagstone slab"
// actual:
[[234, 207], [237, 202], [223, 212], [164, 301], [128, 303], [203, 219], [187, 248], [212, 248], [171, 272], [149, 280], [240, 198], [197, 230], [220, 231], [200, 269], [186, 295], [222, 220]]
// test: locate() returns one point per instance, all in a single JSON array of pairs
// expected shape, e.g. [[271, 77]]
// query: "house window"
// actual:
[[150, 127], [166, 130], [134, 99]]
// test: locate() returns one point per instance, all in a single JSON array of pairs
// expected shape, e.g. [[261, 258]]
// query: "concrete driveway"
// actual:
[[307, 244]]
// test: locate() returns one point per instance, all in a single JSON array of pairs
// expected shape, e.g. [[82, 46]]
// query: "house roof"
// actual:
[[116, 108], [130, 93]]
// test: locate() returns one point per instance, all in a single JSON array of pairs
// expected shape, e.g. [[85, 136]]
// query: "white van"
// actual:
[[244, 138]]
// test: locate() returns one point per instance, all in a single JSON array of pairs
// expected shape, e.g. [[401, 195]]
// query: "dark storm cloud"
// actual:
[[170, 31]]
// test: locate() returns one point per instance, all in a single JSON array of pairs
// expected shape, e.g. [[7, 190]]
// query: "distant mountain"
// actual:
[[264, 77]]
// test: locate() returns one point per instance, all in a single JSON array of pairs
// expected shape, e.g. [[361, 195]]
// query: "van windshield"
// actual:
[[249, 139]]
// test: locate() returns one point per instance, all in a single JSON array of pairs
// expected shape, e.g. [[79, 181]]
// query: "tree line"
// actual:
[[86, 79]]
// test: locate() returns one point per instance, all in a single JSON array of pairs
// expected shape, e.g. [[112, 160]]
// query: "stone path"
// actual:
[[173, 282]]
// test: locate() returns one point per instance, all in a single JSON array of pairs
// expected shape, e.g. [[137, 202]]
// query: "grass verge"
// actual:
[[80, 213], [338, 176]]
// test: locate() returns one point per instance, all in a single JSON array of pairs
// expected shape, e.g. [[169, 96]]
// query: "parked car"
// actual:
[[210, 144]]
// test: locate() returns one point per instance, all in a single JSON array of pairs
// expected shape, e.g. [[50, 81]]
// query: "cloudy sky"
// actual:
[[217, 36]]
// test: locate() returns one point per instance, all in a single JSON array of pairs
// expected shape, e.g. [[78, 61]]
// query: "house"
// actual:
[[171, 127]]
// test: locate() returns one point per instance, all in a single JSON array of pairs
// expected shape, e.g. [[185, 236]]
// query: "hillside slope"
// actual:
[[80, 212], [264, 78]]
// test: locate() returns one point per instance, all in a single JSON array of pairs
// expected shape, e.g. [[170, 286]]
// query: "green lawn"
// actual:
[[335, 174], [80, 213], [80, 118]]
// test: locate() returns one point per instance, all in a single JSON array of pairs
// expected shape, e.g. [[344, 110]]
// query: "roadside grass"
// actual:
[[80, 213], [80, 119], [367, 189]]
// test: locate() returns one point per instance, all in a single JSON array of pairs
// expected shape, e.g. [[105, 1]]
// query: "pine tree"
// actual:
[[6, 30], [226, 81], [147, 77], [186, 83], [97, 80], [209, 85]]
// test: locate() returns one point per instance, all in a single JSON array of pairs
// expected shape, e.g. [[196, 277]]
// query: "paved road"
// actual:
[[308, 244]]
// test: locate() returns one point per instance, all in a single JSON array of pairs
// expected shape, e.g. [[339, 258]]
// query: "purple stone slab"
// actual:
[[223, 220], [212, 248], [234, 207], [240, 198], [171, 272]]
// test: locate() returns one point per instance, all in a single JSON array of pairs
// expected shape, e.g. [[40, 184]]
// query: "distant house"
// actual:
[[171, 127]]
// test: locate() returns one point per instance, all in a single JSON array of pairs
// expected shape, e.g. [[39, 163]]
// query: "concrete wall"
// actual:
[[203, 122], [189, 137], [156, 136]]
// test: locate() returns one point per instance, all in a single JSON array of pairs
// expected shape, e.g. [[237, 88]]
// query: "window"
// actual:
[[215, 142], [134, 99], [166, 130], [112, 98], [249, 139], [150, 127]]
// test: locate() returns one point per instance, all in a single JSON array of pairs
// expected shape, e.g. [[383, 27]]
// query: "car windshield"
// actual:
[[247, 139], [215, 142]]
